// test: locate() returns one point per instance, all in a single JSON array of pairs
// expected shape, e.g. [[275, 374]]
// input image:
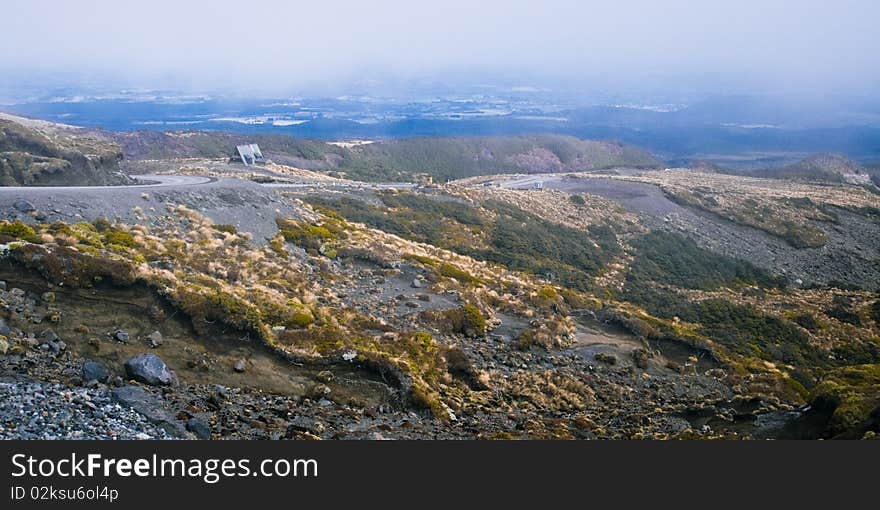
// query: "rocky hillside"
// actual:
[[823, 167], [36, 153], [459, 311]]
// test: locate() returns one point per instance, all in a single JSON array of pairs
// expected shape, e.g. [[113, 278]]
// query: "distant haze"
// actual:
[[275, 46]]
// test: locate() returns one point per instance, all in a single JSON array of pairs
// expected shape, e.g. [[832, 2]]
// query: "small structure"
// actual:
[[250, 154]]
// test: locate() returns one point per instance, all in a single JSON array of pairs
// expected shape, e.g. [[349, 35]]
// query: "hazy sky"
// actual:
[[280, 45]]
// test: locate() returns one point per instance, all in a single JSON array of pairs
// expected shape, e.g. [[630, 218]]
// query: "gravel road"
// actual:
[[249, 206]]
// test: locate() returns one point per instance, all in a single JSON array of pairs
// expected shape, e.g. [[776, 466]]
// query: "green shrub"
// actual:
[[874, 311], [676, 260], [739, 328], [466, 320], [841, 309], [807, 322]]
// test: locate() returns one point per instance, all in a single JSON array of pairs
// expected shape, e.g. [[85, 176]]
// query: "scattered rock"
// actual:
[[605, 358], [4, 345], [325, 376], [149, 369], [94, 371], [121, 336], [53, 347], [155, 339], [305, 424], [240, 365], [48, 297], [199, 428], [416, 284]]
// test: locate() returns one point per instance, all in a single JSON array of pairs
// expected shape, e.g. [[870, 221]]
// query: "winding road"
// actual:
[[150, 181]]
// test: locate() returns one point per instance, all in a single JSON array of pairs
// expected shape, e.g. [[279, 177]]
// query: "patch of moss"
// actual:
[[308, 236], [462, 276], [302, 319], [118, 237], [225, 227], [18, 230], [427, 261], [852, 394]]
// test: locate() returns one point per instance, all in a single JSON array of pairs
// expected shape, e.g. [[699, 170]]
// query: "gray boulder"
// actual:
[[94, 371], [149, 369], [153, 408], [24, 206]]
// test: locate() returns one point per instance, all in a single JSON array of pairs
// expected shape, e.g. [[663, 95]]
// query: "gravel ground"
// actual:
[[36, 410], [247, 205]]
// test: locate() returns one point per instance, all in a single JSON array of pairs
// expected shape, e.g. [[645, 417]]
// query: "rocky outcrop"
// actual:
[[42, 154]]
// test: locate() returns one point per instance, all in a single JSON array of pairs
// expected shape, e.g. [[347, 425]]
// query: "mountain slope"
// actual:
[[36, 153]]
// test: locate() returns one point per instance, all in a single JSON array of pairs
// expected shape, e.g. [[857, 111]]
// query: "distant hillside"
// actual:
[[38, 153], [452, 158], [706, 167], [139, 145], [822, 167], [400, 159]]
